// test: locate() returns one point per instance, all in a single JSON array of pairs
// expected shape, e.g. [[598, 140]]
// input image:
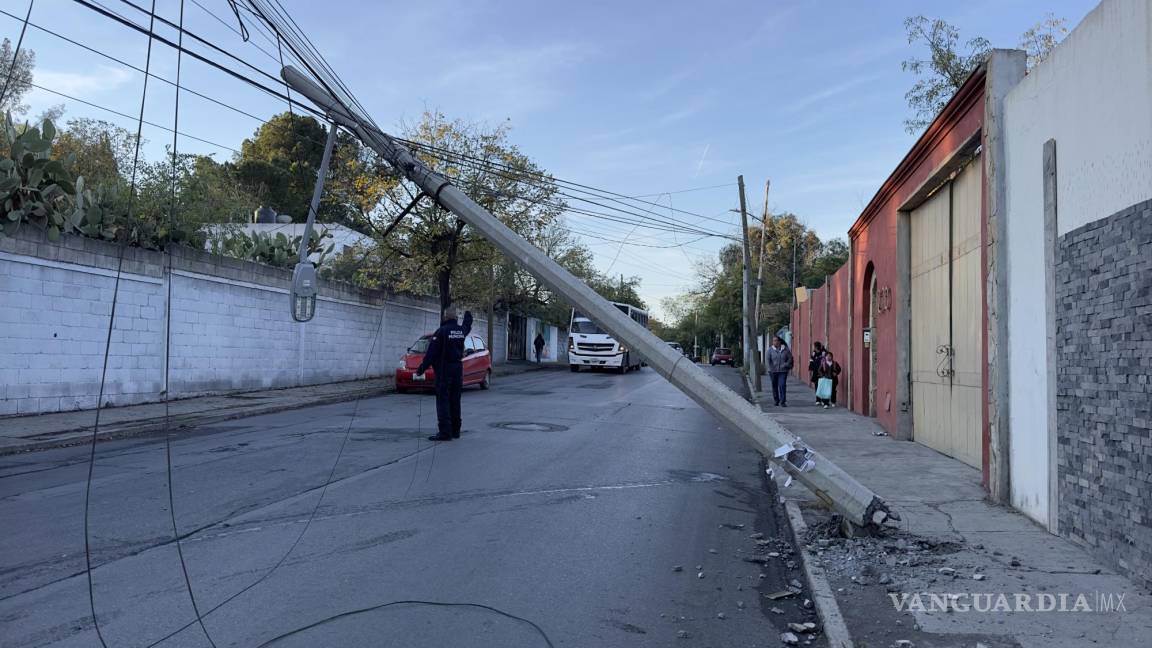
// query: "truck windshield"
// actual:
[[586, 327]]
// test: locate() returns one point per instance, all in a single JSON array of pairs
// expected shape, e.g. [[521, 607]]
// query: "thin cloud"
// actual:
[[832, 91], [520, 79], [80, 84], [700, 164]]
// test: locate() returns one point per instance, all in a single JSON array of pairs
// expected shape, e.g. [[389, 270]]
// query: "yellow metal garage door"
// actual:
[[947, 318]]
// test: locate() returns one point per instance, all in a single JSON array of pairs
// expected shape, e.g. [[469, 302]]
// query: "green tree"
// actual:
[[102, 152], [16, 70], [947, 67], [439, 254], [1042, 38], [942, 72]]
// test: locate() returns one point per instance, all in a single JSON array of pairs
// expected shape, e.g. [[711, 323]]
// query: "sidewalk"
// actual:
[[951, 541], [44, 431]]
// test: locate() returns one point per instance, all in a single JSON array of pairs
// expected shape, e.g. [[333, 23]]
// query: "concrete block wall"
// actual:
[[1104, 387], [230, 326]]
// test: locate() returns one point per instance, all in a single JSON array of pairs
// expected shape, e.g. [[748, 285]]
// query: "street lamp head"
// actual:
[[303, 297]]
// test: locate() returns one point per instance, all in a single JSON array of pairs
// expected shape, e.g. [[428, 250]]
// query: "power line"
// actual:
[[136, 68], [126, 115], [574, 186], [16, 53], [499, 169], [586, 189], [680, 191]]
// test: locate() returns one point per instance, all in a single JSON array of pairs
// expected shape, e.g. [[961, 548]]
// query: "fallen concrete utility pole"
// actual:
[[835, 487]]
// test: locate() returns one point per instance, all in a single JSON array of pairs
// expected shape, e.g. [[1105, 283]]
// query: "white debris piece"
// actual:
[[789, 638]]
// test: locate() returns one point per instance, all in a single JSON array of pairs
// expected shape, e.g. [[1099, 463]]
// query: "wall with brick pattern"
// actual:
[[230, 326], [1104, 387]]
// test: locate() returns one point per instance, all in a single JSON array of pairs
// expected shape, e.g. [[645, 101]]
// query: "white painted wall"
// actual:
[[228, 334], [1093, 95]]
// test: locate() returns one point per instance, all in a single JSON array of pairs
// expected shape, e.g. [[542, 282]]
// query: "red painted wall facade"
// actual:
[[873, 243]]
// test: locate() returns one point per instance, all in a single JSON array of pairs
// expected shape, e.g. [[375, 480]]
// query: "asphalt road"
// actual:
[[573, 523]]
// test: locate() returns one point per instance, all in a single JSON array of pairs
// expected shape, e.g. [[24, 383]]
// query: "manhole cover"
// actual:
[[529, 426]]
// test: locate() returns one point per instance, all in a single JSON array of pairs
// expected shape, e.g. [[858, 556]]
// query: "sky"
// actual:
[[670, 100]]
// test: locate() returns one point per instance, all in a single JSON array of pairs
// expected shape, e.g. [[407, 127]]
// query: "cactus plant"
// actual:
[[34, 188], [274, 249]]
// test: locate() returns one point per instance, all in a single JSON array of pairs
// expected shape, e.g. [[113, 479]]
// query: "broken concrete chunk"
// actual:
[[796, 584], [740, 604], [682, 634], [721, 616], [885, 579], [713, 551], [1014, 563], [757, 536], [977, 576], [776, 610], [807, 604], [947, 571], [903, 643], [700, 575], [797, 627], [789, 639], [779, 595], [678, 568]]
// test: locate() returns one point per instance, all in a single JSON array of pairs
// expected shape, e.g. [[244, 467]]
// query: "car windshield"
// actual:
[[723, 351], [586, 327], [420, 346]]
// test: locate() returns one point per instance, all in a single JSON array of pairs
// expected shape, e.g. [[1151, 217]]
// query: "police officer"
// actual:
[[446, 354]]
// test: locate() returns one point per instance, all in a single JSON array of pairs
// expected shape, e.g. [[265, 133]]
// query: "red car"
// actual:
[[477, 365], [722, 356]]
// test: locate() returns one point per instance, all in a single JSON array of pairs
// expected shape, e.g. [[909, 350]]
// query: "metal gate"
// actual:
[[947, 324], [517, 326]]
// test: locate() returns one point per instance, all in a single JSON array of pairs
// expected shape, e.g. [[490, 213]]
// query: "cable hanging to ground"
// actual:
[[108, 349], [168, 336]]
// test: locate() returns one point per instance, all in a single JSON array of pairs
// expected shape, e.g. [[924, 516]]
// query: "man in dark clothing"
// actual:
[[779, 363], [446, 355], [539, 344]]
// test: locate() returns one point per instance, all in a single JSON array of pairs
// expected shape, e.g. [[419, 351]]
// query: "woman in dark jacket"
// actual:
[[830, 369], [814, 364]]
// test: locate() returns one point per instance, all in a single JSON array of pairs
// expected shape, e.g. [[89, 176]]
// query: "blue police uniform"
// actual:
[[446, 356]]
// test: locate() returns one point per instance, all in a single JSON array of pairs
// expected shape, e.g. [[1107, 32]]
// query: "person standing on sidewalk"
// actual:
[[445, 354], [829, 369], [778, 362], [538, 343], [814, 361]]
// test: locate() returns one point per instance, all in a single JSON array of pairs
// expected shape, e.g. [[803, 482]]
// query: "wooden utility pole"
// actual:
[[751, 356], [760, 270]]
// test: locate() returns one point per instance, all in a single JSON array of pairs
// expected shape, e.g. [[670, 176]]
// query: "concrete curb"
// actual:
[[835, 629], [140, 427]]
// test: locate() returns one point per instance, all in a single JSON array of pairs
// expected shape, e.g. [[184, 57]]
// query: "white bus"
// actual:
[[591, 346]]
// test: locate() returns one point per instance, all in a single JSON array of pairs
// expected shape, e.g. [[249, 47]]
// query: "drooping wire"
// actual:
[[343, 615], [16, 53], [319, 501], [126, 115], [315, 62], [108, 346], [578, 187], [168, 335]]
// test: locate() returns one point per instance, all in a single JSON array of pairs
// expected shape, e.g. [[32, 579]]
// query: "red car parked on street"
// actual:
[[723, 356], [477, 365]]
